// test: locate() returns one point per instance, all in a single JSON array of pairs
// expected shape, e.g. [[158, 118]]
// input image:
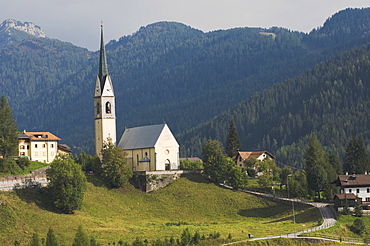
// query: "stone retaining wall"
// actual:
[[149, 181], [36, 178]]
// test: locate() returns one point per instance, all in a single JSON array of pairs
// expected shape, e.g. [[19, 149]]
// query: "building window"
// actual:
[[21, 147], [108, 108], [368, 190], [357, 190], [23, 153], [52, 145], [36, 153], [350, 190], [35, 145], [52, 153], [28, 147], [44, 153], [368, 199], [43, 145]]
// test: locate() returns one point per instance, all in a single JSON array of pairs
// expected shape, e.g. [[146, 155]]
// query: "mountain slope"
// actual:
[[331, 99], [165, 71]]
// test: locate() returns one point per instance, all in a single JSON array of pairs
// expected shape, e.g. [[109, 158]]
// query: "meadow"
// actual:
[[110, 215]]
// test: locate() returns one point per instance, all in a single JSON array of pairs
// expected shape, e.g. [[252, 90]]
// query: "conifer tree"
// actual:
[[51, 239], [319, 172], [35, 241], [81, 239], [8, 130], [232, 140], [356, 159]]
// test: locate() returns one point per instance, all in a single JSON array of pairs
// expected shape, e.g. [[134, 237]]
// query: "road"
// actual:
[[327, 213]]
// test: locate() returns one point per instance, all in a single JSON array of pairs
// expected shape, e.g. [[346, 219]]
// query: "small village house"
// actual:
[[40, 146], [242, 156], [350, 187]]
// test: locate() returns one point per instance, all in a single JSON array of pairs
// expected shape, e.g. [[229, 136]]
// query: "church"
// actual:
[[149, 148]]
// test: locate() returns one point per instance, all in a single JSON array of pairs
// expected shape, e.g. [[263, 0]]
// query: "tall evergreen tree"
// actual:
[[8, 130], [81, 239], [51, 239], [232, 140], [35, 241], [319, 172], [356, 158]]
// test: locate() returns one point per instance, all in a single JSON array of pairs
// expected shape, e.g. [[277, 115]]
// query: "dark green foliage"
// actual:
[[356, 158], [209, 72], [8, 130], [346, 210], [67, 184], [216, 164], [318, 170], [186, 238], [358, 226], [35, 241], [51, 239], [285, 171], [336, 164], [232, 145], [116, 170], [81, 238], [8, 165], [330, 99], [237, 177], [358, 208], [191, 165], [23, 162]]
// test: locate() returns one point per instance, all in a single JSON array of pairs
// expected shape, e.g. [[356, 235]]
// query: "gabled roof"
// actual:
[[249, 154], [354, 180], [38, 136], [141, 137], [343, 196]]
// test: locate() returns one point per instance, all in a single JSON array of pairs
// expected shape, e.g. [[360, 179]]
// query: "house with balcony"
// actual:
[[351, 186]]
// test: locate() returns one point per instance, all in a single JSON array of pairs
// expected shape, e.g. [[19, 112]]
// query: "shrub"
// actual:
[[358, 226]]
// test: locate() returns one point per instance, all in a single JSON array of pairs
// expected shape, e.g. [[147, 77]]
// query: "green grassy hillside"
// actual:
[[111, 215]]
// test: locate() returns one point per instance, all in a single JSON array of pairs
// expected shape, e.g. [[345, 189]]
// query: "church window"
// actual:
[[108, 108], [22, 146], [98, 108]]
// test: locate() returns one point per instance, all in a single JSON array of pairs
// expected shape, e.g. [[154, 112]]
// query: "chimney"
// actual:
[[24, 131], [346, 172]]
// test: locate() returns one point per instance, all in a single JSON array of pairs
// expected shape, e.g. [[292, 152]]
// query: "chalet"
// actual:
[[349, 186], [242, 156], [40, 146], [151, 148]]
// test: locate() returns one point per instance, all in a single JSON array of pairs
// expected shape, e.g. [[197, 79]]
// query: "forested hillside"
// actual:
[[164, 72], [332, 100]]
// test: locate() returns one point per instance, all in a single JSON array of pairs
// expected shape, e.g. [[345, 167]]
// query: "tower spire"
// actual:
[[103, 66]]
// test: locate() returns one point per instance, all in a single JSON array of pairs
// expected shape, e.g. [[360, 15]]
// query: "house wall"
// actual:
[[167, 151], [42, 151], [361, 192]]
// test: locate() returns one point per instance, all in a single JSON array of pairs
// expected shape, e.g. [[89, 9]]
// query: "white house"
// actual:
[[242, 156], [151, 148], [357, 185]]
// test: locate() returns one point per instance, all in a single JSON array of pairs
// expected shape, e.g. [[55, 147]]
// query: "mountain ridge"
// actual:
[[165, 71]]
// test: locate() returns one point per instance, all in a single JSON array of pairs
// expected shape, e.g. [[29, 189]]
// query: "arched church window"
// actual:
[[108, 108], [98, 108]]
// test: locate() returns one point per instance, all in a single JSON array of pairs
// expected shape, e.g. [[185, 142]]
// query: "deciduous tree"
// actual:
[[116, 170], [67, 184]]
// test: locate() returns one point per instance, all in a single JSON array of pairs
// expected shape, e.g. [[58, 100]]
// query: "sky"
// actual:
[[78, 21]]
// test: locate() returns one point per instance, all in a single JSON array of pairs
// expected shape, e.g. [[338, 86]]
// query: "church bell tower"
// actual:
[[104, 104]]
